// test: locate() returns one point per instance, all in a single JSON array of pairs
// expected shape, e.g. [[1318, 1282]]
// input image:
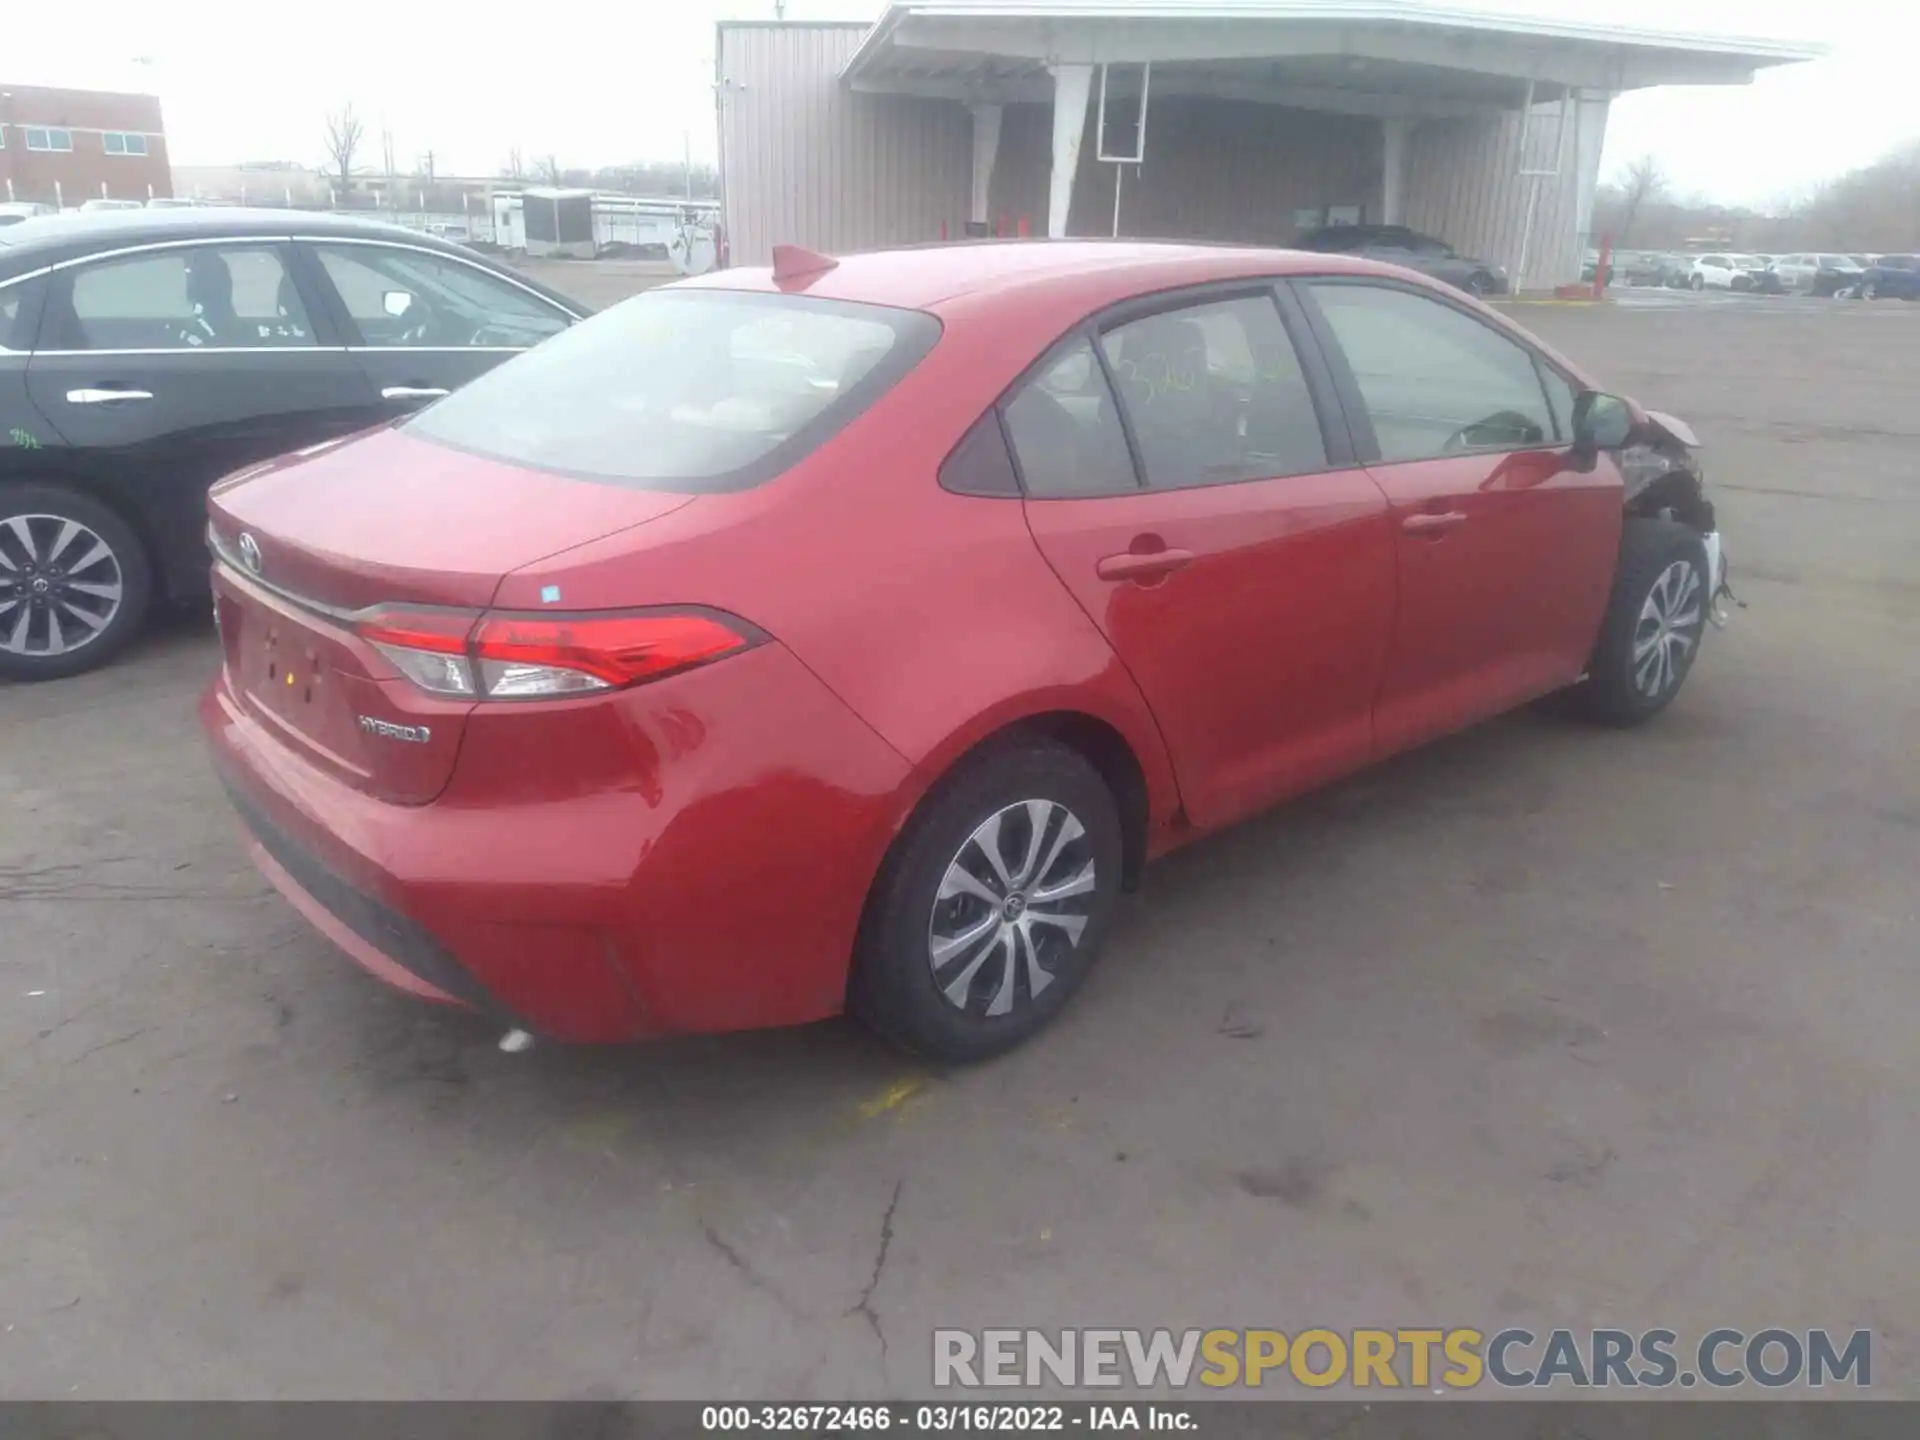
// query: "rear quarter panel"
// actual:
[[932, 615]]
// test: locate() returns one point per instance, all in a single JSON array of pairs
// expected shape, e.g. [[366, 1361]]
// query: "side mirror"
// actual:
[[396, 303], [1600, 422]]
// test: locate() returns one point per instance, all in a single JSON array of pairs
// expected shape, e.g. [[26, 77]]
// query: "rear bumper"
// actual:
[[687, 856]]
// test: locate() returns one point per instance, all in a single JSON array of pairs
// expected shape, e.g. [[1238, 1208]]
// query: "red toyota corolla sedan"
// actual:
[[849, 634]]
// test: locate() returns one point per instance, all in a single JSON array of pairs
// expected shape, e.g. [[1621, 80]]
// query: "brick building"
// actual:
[[70, 146]]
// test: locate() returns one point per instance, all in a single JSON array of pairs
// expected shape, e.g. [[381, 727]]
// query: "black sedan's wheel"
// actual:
[[1869, 291], [1480, 284], [74, 582], [992, 905], [1655, 618]]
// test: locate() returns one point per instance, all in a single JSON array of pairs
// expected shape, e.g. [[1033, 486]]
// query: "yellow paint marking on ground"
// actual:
[[893, 1097]]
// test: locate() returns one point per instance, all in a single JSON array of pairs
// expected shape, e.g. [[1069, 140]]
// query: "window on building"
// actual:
[[119, 142], [40, 137]]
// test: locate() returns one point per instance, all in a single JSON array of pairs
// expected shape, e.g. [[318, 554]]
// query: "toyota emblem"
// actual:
[[250, 552]]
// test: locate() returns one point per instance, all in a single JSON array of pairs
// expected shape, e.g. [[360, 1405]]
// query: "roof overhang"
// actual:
[[1371, 57]]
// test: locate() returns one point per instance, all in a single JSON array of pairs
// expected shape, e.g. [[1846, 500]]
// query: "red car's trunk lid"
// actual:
[[384, 518], [380, 520]]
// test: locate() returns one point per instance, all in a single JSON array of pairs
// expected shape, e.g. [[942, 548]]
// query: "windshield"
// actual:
[[1836, 262], [685, 390]]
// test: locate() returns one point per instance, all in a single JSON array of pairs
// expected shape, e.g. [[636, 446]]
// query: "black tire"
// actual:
[[1480, 284], [1615, 692], [1869, 291], [1698, 282], [893, 987], [42, 510]]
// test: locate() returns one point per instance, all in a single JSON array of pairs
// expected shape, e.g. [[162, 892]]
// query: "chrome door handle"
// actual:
[[105, 397], [411, 392], [1432, 524]]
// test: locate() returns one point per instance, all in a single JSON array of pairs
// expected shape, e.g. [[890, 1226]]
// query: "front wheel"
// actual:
[[990, 909], [1480, 284], [74, 582], [1869, 291], [1655, 618], [1698, 282]]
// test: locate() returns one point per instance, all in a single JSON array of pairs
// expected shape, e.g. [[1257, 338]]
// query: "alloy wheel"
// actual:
[[1667, 630], [61, 585], [1013, 902]]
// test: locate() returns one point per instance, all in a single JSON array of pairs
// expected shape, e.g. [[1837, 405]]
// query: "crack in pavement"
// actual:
[[752, 1276], [107, 1045], [864, 1305]]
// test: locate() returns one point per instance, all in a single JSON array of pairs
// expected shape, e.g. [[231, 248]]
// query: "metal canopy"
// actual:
[[1373, 57]]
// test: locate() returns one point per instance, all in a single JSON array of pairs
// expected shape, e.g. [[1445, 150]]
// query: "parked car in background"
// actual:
[[1397, 245], [12, 212], [1891, 277], [1724, 272], [565, 700], [1819, 274], [145, 354]]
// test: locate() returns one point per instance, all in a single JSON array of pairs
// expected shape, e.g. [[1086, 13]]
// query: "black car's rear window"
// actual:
[[685, 390]]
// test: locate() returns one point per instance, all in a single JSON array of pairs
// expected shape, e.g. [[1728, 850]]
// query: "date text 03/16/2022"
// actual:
[[942, 1419]]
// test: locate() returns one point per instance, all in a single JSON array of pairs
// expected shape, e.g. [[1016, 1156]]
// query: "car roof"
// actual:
[[50, 239], [926, 277]]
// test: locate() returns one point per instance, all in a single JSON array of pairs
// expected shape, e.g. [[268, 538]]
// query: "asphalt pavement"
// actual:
[[1541, 1026]]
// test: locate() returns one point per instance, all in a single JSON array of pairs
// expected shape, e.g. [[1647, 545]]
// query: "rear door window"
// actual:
[[1215, 394], [1065, 429], [194, 297], [687, 391], [16, 315]]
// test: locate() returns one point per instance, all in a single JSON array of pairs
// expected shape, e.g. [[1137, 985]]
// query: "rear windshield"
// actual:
[[685, 390]]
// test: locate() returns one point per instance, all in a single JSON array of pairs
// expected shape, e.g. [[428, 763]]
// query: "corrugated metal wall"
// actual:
[[805, 160], [1463, 184], [1215, 170]]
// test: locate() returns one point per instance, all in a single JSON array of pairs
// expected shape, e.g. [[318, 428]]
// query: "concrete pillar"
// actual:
[[1393, 170], [1590, 135], [986, 146], [1072, 85]]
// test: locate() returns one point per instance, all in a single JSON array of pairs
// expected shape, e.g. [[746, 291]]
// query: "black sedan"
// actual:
[[144, 354], [1891, 277], [1397, 245]]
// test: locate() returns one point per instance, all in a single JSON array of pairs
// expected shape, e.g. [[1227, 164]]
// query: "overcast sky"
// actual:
[[595, 82]]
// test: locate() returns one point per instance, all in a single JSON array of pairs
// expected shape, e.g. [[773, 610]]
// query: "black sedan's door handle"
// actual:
[[105, 395]]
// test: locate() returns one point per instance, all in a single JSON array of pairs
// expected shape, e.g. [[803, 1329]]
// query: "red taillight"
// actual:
[[533, 656], [613, 649]]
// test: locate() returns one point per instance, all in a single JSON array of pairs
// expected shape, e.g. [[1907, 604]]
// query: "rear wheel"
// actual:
[[1654, 621], [1869, 291], [992, 905], [74, 582], [1698, 282]]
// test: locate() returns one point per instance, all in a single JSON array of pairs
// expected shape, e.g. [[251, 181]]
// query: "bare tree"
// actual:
[[1644, 184], [515, 168], [548, 170], [343, 143]]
